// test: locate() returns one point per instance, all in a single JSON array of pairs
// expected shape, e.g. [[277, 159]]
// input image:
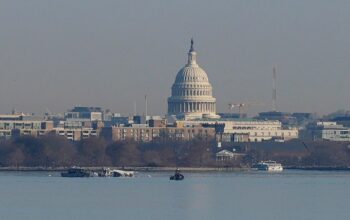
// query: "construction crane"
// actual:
[[242, 106]]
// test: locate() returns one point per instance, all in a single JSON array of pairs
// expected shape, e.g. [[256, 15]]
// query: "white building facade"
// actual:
[[255, 130]]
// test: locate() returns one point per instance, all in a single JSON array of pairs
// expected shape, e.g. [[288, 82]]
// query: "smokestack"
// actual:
[[274, 91]]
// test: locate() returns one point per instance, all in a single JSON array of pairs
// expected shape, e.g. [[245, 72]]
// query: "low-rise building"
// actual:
[[14, 125], [297, 119], [76, 134], [84, 114], [21, 124], [243, 130], [226, 155], [326, 130], [146, 134]]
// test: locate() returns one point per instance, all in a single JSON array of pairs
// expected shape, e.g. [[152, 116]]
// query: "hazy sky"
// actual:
[[57, 54]]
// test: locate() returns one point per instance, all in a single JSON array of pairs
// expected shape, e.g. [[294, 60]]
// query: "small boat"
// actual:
[[177, 175], [269, 165], [78, 172]]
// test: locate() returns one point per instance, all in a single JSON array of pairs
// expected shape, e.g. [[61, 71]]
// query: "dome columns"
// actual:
[[192, 107]]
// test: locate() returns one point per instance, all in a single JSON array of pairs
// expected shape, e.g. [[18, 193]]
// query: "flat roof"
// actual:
[[229, 119]]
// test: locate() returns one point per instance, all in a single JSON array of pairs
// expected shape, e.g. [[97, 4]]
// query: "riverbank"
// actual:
[[320, 168], [171, 169], [137, 169]]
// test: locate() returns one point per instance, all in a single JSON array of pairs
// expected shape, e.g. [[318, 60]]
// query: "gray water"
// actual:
[[239, 195]]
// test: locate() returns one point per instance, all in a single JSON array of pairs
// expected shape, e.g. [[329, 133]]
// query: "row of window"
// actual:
[[268, 134], [124, 131], [20, 125], [189, 78], [254, 128], [192, 85], [191, 92]]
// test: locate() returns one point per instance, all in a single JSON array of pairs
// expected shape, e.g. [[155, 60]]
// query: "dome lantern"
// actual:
[[192, 56]]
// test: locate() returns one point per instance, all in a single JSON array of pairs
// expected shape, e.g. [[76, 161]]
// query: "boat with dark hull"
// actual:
[[177, 175]]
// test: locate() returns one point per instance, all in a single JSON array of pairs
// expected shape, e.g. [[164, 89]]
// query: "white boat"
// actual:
[[269, 165]]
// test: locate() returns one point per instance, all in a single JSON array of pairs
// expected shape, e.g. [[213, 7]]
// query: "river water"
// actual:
[[232, 195]]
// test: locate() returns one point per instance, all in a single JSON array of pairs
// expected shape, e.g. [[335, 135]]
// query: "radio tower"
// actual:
[[274, 90]]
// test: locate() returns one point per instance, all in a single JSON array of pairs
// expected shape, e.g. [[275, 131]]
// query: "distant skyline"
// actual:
[[58, 54]]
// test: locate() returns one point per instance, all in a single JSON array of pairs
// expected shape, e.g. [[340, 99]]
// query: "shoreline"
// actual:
[[170, 169], [320, 168], [137, 169]]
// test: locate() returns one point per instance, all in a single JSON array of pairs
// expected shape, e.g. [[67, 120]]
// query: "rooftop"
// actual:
[[230, 119]]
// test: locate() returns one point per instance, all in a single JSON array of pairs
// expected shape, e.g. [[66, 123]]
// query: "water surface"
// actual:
[[289, 195]]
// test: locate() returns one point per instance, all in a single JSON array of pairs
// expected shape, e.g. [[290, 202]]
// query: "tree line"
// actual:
[[296, 153], [56, 151]]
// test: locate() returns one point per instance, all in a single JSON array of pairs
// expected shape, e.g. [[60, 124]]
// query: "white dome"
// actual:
[[191, 74], [191, 93]]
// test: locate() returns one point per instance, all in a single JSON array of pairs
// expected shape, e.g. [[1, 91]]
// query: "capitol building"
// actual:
[[192, 94]]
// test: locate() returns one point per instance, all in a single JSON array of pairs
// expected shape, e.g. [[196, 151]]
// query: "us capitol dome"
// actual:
[[192, 94]]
